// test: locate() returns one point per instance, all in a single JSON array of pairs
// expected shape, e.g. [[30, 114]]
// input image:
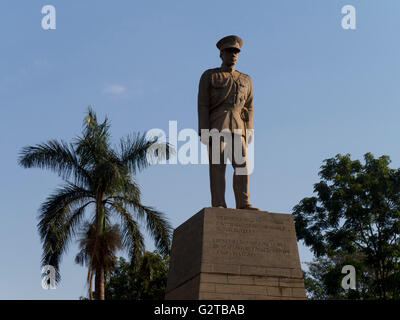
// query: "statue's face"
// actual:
[[229, 56]]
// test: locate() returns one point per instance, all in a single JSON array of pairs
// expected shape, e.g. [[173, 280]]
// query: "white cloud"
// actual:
[[114, 89]]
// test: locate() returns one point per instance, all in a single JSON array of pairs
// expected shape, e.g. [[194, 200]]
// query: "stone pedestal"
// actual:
[[235, 254]]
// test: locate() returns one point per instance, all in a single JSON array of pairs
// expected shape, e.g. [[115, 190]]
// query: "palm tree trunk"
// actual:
[[90, 280], [99, 277], [99, 283]]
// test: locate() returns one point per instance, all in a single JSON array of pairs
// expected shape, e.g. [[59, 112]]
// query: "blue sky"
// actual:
[[319, 90]]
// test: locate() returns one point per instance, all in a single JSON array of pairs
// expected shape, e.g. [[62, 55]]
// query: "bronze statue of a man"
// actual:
[[225, 104]]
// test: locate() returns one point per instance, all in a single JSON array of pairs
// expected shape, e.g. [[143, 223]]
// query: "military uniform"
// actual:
[[225, 101]]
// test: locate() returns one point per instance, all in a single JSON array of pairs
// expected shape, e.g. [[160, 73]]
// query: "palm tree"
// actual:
[[102, 178]]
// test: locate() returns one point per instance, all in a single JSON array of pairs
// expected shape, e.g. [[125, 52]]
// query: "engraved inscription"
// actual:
[[248, 248], [246, 225]]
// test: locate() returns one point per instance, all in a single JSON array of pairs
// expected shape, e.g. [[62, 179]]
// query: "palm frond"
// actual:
[[156, 223], [57, 156], [137, 152], [94, 144], [158, 226], [132, 238], [59, 217]]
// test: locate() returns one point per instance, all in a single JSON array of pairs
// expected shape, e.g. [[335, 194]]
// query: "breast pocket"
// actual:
[[219, 82], [220, 88], [243, 91]]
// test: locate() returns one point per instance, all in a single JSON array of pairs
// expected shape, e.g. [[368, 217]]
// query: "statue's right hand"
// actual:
[[205, 139]]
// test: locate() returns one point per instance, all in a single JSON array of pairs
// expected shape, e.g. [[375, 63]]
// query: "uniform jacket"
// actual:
[[225, 101]]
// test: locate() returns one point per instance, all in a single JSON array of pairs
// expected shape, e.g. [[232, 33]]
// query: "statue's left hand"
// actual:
[[249, 135]]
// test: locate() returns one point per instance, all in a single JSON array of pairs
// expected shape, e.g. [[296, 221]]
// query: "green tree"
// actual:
[[356, 211], [323, 279], [144, 279], [102, 178]]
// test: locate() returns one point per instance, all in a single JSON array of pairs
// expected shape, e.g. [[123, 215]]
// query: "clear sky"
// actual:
[[319, 90]]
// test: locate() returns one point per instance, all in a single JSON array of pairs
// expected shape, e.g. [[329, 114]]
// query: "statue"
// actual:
[[225, 111]]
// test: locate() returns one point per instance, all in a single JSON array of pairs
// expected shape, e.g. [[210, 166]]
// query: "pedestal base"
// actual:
[[233, 254]]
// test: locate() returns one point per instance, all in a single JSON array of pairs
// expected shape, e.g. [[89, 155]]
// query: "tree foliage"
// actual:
[[324, 277], [144, 279], [356, 212]]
